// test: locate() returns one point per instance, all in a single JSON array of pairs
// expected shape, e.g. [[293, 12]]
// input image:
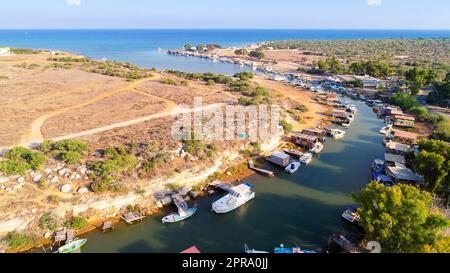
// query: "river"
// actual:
[[301, 209]]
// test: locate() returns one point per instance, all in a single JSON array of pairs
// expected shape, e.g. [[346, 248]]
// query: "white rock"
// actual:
[[82, 169], [72, 176], [62, 171], [4, 179], [33, 211], [77, 176], [3, 187], [83, 190], [20, 179], [54, 180], [66, 188], [48, 170], [47, 235], [17, 187], [37, 177]]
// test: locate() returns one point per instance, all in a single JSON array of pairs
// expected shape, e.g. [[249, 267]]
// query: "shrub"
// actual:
[[287, 127], [17, 240], [43, 184], [244, 76], [48, 221], [76, 222], [72, 157], [22, 159], [14, 166], [256, 54]]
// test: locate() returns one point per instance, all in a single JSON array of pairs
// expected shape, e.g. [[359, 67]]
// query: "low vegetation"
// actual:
[[69, 151], [18, 240], [20, 160], [76, 223]]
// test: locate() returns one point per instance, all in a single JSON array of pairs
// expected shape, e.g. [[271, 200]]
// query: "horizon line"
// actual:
[[355, 29]]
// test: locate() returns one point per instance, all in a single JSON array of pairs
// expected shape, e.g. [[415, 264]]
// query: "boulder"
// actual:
[[4, 180], [83, 190], [66, 188], [37, 177], [184, 191], [54, 180], [47, 170], [62, 172], [82, 169], [194, 194], [77, 176], [17, 187], [20, 180]]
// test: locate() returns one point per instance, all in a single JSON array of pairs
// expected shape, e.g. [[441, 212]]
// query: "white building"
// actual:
[[5, 51]]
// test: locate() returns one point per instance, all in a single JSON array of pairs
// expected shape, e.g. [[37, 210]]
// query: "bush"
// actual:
[[256, 54], [22, 159], [168, 81], [48, 221], [244, 76], [43, 184], [17, 240], [76, 223], [70, 145], [71, 157], [287, 127], [405, 101]]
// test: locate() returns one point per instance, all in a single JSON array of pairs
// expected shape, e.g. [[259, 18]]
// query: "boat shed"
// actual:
[[404, 121], [304, 140], [397, 148], [279, 158], [400, 174], [405, 137], [392, 159], [320, 133]]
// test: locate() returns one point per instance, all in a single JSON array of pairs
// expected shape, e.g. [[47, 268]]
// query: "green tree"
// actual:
[[256, 54], [400, 218], [286, 126], [187, 46], [434, 169], [404, 101], [48, 221], [241, 51]]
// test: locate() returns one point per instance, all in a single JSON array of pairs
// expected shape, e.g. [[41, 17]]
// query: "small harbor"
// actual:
[[299, 209]]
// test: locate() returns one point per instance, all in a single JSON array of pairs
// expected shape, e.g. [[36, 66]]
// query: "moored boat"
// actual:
[[306, 158], [293, 152], [317, 148], [71, 247], [386, 130], [293, 167], [292, 250], [337, 134], [180, 216], [351, 214], [253, 251], [237, 196]]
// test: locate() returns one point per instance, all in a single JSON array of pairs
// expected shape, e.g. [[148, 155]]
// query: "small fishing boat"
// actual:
[[292, 167], [71, 247], [180, 216], [386, 130], [237, 196], [306, 158], [337, 134], [378, 165], [293, 152], [292, 250], [317, 148], [346, 125], [253, 251], [351, 215]]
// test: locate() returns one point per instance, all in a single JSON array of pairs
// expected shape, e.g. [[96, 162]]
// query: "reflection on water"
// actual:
[[300, 209]]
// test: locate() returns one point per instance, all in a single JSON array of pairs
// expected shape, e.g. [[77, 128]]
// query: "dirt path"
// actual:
[[170, 112], [35, 135]]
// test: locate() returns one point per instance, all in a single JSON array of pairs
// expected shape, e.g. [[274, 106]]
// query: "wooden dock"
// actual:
[[251, 165], [132, 217], [179, 202]]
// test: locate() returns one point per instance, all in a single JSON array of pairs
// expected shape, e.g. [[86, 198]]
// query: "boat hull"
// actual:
[[72, 247], [174, 218], [223, 209]]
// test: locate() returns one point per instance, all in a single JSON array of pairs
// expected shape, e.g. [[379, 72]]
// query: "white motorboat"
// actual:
[[317, 148], [292, 167], [386, 130], [237, 196], [337, 134], [351, 214], [253, 251], [306, 158], [180, 216]]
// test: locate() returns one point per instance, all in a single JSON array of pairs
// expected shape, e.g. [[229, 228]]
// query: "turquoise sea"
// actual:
[[141, 46]]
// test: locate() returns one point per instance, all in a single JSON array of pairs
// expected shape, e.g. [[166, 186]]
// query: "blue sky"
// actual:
[[301, 14]]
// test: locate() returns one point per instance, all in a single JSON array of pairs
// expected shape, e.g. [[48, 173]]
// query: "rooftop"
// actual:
[[405, 134]]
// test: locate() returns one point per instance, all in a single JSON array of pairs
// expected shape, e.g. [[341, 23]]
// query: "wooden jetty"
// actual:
[[179, 202], [132, 217], [251, 165], [107, 226]]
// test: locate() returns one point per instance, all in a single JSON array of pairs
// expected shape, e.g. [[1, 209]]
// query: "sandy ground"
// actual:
[[315, 113]]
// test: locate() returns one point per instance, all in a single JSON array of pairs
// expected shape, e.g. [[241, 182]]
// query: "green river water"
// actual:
[[302, 209]]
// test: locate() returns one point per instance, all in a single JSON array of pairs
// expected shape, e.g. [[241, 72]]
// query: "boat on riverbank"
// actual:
[[293, 167], [337, 134], [350, 214], [72, 247], [306, 158], [317, 148], [236, 197]]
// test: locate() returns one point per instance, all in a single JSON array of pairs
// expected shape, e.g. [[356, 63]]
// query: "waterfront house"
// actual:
[[405, 137], [397, 148], [279, 158], [304, 140], [404, 121]]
